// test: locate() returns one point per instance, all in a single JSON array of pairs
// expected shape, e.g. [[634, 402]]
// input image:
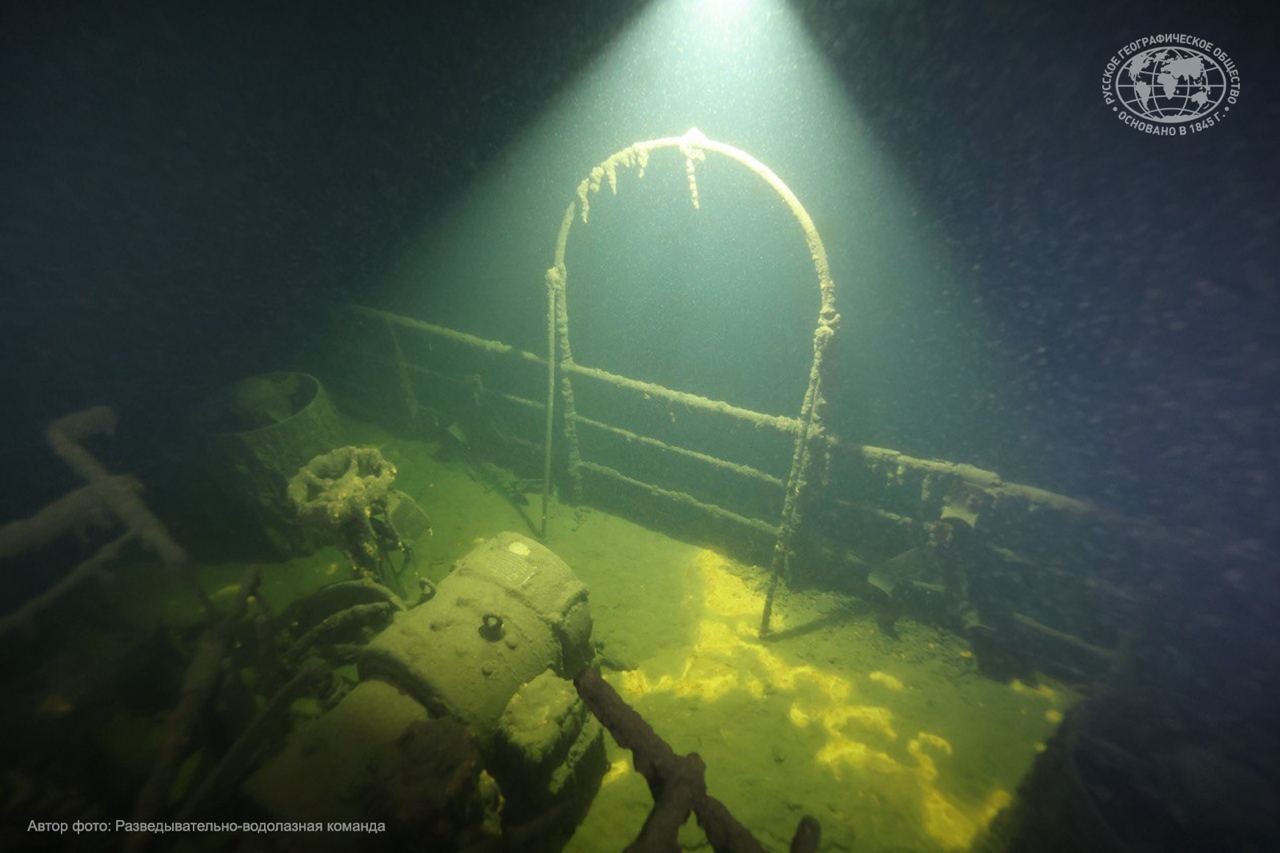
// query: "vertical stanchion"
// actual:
[[552, 288], [406, 381]]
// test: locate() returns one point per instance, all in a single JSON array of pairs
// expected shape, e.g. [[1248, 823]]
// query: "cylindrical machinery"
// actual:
[[509, 610], [495, 649], [258, 432]]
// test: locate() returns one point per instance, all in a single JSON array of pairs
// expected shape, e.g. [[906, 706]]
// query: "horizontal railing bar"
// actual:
[[626, 435], [510, 439], [1029, 624], [494, 347], [980, 478], [715, 461], [882, 516], [692, 401], [683, 499], [491, 392], [535, 446]]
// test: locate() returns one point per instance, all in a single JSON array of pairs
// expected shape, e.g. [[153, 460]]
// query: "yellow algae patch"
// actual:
[[944, 821], [712, 669], [616, 771], [1053, 715], [635, 683], [724, 593], [726, 656], [935, 740], [780, 676], [834, 687], [951, 826], [857, 755], [783, 676], [887, 680], [706, 679], [1044, 691], [715, 638], [925, 768], [947, 822], [716, 681], [991, 807], [876, 719]]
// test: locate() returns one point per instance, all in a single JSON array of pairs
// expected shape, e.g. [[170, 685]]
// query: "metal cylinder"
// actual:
[[257, 433], [510, 610]]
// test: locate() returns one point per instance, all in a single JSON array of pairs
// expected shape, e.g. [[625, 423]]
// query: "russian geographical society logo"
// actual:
[[1170, 84]]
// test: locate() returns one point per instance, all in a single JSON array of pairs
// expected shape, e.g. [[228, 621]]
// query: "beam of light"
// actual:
[[745, 73]]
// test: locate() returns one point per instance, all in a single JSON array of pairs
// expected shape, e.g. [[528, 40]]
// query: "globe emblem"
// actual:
[[1171, 84]]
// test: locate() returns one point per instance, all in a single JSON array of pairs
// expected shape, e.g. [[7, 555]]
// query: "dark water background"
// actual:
[[1027, 284]]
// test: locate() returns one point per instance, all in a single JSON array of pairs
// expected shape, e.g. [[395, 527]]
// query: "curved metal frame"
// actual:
[[694, 146]]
